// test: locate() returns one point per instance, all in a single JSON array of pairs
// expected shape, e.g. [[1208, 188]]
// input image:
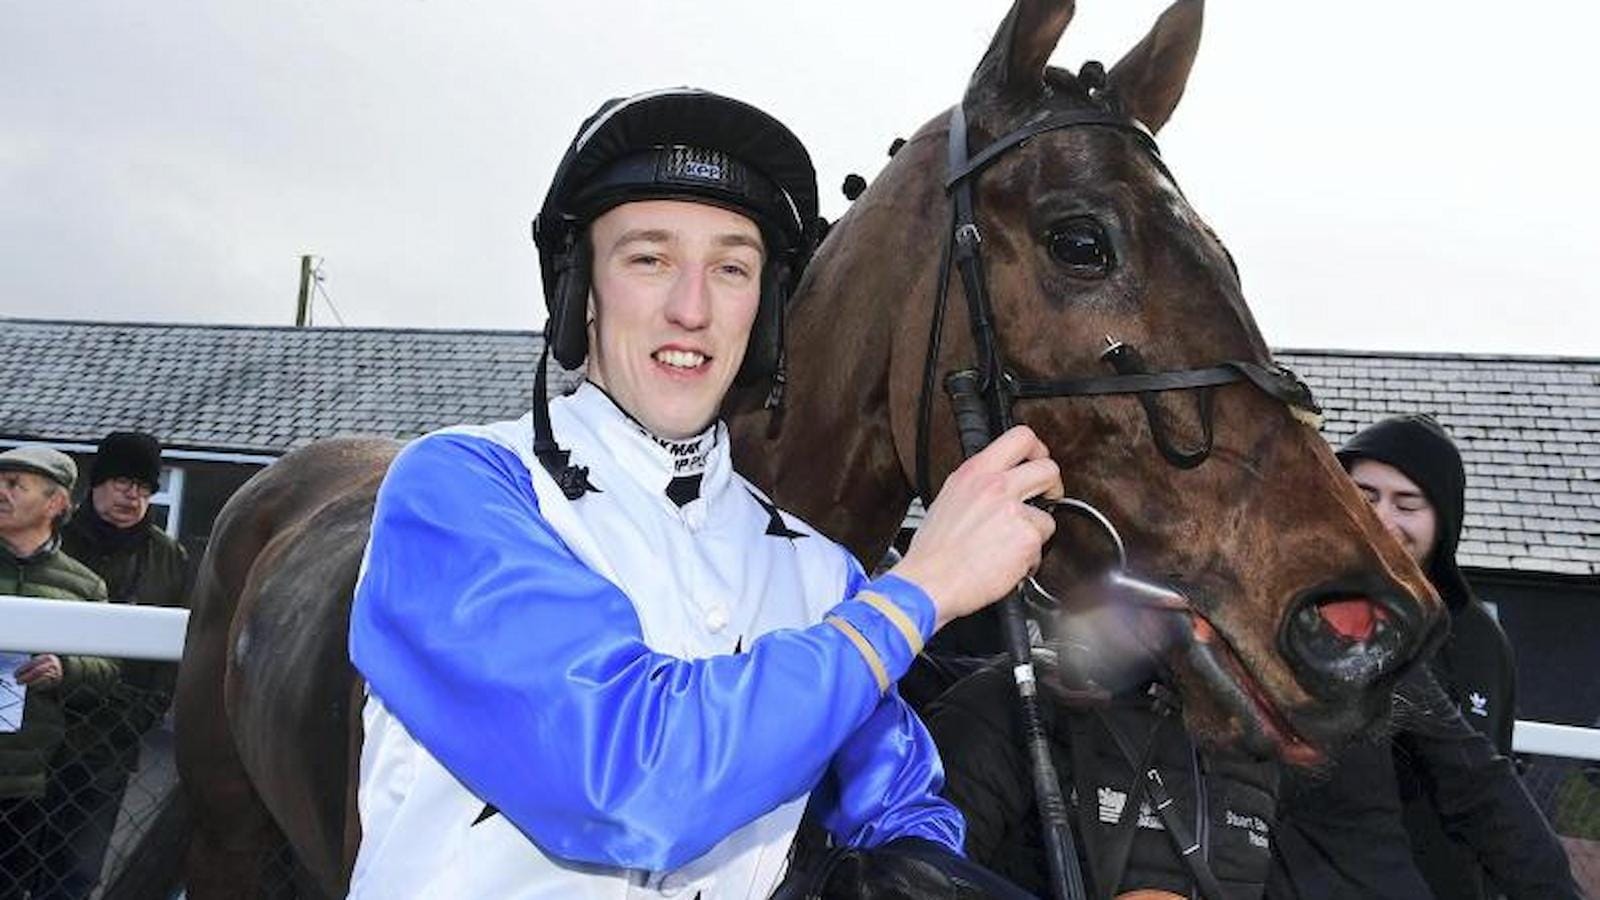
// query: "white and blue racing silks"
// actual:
[[620, 696]]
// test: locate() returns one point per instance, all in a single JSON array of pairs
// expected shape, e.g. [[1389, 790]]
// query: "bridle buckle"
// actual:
[[969, 238]]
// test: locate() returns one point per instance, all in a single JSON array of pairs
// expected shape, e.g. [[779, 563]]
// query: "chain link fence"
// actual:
[[111, 775], [109, 780], [1568, 790], [102, 742]]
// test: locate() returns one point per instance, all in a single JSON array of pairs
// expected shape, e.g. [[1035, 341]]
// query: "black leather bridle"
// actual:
[[995, 384], [982, 399]]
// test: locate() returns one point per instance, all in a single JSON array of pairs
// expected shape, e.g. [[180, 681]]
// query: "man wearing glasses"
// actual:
[[113, 535]]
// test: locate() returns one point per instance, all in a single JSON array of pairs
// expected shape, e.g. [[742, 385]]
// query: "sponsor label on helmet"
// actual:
[[700, 164]]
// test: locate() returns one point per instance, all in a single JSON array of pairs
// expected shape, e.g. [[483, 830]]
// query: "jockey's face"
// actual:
[[675, 290]]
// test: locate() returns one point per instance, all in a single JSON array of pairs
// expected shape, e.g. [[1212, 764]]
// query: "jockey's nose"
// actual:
[[1339, 642], [689, 303]]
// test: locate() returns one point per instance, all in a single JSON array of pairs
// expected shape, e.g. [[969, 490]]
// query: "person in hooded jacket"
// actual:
[[1429, 812], [1391, 462]]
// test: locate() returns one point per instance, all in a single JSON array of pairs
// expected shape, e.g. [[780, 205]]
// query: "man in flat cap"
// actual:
[[114, 536], [35, 501]]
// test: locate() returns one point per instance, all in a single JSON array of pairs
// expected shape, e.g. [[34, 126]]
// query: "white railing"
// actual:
[[32, 625], [1545, 739]]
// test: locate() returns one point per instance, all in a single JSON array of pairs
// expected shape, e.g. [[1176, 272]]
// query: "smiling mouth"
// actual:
[[682, 360]]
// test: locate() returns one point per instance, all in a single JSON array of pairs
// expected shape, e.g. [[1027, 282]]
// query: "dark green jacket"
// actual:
[[25, 754], [140, 565]]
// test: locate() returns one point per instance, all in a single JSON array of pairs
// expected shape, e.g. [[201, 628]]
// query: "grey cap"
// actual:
[[52, 464]]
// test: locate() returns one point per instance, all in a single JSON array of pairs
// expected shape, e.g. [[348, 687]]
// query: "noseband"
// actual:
[[994, 386]]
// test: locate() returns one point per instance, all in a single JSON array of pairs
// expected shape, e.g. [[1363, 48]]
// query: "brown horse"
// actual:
[[267, 743], [1084, 235]]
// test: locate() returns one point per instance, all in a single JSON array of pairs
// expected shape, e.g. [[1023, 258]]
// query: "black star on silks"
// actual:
[[738, 646], [775, 526], [574, 482], [684, 489], [489, 812]]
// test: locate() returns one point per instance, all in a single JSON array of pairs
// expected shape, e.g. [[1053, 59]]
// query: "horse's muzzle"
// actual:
[[1341, 642]]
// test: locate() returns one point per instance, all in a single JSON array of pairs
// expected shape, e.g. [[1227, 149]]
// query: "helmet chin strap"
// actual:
[[573, 480]]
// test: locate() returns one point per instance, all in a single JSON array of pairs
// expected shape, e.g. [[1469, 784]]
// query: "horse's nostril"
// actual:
[[1356, 618], [1342, 641]]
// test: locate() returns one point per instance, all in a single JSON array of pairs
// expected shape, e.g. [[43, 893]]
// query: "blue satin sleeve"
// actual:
[[885, 782], [526, 675]]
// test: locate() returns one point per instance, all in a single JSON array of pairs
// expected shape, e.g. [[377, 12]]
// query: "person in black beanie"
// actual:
[[114, 536], [1433, 810]]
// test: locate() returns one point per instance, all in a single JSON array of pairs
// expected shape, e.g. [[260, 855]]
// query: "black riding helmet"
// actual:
[[678, 144]]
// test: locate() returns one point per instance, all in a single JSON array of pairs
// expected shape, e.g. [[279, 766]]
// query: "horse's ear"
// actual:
[[1012, 69], [1149, 81]]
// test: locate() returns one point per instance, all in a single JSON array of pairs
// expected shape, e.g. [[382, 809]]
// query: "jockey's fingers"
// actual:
[[1016, 445], [1042, 522], [1034, 478]]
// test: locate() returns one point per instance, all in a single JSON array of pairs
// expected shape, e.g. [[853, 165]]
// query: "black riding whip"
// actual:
[[1055, 826]]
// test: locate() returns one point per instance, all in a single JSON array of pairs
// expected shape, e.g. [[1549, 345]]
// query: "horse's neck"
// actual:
[[832, 462], [840, 459]]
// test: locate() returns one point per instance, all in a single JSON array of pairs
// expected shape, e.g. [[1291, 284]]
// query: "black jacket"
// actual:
[[140, 565], [1340, 835], [988, 777], [1475, 668]]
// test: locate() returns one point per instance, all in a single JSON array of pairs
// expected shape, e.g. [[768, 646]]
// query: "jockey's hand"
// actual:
[[980, 536], [43, 671]]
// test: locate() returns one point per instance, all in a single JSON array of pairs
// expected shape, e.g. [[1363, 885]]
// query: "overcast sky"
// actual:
[[1416, 175]]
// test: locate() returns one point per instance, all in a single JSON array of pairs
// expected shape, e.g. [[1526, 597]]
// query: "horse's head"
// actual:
[[1304, 611]]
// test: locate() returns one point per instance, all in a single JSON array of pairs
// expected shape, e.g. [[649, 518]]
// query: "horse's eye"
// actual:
[[1081, 245]]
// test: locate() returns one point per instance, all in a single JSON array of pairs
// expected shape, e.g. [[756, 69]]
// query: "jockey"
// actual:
[[598, 662]]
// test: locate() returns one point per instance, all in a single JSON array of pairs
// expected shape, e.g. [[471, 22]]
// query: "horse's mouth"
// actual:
[[1265, 730]]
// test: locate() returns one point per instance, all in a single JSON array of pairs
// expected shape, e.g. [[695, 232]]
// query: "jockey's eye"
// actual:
[[1081, 245]]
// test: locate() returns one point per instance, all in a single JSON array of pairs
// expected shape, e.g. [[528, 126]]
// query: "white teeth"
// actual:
[[680, 359]]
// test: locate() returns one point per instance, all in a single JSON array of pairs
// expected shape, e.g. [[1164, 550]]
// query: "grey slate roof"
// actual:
[[255, 389], [1529, 427]]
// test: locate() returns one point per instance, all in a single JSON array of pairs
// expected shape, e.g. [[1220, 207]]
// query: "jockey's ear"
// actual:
[[1011, 72], [1149, 81]]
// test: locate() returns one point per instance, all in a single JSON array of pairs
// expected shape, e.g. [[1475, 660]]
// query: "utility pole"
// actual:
[[302, 310]]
